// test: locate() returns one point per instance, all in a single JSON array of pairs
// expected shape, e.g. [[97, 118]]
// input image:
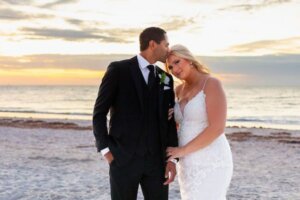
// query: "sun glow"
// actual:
[[50, 76]]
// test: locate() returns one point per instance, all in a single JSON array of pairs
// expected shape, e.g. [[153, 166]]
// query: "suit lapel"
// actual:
[[136, 76], [160, 93]]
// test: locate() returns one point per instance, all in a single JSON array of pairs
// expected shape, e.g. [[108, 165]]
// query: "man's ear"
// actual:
[[152, 44]]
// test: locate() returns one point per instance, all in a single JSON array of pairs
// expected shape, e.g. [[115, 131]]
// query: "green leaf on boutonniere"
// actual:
[[162, 78]]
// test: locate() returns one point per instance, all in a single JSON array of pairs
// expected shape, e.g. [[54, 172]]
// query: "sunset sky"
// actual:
[[72, 41]]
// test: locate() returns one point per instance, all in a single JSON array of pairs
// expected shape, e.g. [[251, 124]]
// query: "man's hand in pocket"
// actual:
[[109, 157]]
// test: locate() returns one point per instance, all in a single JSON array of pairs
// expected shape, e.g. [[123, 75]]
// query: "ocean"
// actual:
[[248, 106]]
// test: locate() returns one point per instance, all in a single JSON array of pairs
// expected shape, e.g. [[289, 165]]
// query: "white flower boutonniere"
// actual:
[[164, 79]]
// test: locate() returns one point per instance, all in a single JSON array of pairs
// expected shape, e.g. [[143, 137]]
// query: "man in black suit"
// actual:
[[138, 96]]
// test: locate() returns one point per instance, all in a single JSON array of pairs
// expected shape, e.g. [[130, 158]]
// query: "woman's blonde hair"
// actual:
[[183, 52]]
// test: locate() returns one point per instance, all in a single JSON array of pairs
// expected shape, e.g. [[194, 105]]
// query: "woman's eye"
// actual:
[[170, 67], [177, 61]]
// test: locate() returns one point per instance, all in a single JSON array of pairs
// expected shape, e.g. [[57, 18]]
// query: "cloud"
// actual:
[[255, 70], [250, 7], [287, 45], [126, 34], [230, 78], [91, 62], [177, 23], [123, 35], [58, 3], [8, 14], [83, 29], [17, 2], [69, 35], [76, 22], [86, 24]]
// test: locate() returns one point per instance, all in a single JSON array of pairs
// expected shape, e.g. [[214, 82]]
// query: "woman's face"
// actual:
[[179, 67]]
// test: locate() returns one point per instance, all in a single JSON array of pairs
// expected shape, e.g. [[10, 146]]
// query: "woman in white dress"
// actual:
[[205, 160]]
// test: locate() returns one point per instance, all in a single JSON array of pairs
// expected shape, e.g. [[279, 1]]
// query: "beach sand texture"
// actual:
[[57, 160]]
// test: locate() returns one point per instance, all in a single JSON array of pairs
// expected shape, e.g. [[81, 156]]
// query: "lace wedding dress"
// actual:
[[206, 173]]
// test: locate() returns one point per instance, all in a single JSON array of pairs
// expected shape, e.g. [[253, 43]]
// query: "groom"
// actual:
[[138, 95]]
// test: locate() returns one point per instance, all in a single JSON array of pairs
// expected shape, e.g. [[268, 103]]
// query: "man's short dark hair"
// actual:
[[152, 33]]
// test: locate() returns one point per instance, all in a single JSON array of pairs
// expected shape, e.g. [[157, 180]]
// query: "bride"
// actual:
[[205, 165]]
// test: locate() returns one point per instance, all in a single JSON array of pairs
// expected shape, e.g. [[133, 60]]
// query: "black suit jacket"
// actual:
[[120, 94]]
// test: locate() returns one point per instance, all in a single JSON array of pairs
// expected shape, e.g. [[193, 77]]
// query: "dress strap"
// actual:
[[205, 83]]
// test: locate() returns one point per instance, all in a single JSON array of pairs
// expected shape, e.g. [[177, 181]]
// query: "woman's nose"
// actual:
[[175, 69]]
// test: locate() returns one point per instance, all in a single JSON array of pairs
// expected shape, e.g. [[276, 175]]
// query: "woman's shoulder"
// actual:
[[212, 84], [213, 81]]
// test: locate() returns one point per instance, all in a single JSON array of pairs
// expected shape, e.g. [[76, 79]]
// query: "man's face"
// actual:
[[161, 50]]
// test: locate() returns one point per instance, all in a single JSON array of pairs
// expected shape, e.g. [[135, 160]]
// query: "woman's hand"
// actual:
[[175, 152], [170, 114]]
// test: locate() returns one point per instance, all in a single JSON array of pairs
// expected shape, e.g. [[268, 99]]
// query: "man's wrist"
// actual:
[[105, 151]]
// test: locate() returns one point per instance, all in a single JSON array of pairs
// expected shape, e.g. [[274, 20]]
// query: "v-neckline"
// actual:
[[182, 110]]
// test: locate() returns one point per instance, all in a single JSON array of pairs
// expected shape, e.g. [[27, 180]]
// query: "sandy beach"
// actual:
[[51, 159]]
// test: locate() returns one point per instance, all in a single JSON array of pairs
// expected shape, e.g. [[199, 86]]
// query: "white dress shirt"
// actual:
[[143, 63]]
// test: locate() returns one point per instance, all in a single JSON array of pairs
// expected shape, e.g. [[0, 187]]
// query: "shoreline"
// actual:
[[80, 118], [84, 123], [233, 133], [31, 123]]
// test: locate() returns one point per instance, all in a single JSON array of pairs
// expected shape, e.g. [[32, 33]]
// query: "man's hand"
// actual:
[[170, 172], [109, 157]]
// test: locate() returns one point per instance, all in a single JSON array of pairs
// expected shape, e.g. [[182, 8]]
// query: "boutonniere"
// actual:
[[164, 79]]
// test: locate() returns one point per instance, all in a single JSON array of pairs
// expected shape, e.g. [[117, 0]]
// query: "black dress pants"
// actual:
[[147, 171]]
